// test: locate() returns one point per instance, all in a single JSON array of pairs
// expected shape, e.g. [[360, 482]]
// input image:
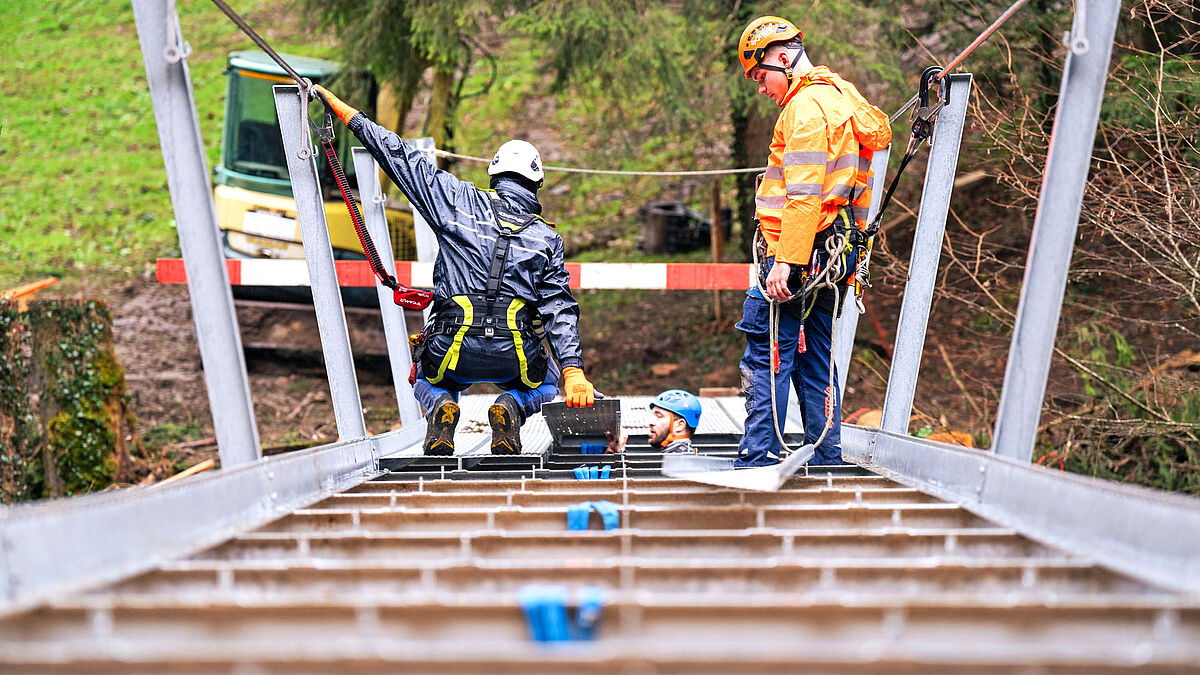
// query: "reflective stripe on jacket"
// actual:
[[464, 221], [816, 164]]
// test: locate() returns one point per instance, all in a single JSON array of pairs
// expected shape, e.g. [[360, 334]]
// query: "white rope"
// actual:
[[603, 172], [836, 242]]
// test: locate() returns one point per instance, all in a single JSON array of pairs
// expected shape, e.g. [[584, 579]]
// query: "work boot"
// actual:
[[439, 426], [506, 418]]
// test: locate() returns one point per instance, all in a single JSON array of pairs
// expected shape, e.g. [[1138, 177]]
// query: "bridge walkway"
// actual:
[[418, 569]]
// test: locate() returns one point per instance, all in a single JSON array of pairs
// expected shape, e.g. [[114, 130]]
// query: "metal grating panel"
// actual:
[[635, 415], [714, 419], [590, 422]]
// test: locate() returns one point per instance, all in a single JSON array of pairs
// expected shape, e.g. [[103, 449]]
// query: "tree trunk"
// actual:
[[53, 483], [751, 146], [440, 117]]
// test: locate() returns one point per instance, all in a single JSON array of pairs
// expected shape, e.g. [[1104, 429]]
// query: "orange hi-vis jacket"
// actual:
[[820, 159]]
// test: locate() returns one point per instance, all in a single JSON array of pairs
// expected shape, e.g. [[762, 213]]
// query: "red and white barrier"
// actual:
[[658, 276]]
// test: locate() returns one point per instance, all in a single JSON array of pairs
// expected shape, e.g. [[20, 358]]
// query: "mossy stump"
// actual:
[[65, 421]]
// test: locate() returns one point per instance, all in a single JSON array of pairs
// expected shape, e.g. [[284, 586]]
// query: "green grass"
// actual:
[[83, 191]]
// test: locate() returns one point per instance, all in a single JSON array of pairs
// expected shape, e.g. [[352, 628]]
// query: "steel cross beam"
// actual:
[[927, 249], [318, 252], [1054, 228], [394, 329], [199, 238]]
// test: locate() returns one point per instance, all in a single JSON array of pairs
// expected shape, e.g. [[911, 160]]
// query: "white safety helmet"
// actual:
[[519, 157]]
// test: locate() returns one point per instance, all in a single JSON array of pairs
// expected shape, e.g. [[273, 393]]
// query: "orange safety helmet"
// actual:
[[760, 34]]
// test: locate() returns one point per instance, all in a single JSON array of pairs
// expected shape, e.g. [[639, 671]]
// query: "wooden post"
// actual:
[[717, 237]]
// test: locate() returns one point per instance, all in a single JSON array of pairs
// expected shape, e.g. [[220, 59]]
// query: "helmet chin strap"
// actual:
[[788, 69], [672, 435]]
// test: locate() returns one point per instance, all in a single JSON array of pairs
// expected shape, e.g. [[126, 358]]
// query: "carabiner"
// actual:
[[923, 117]]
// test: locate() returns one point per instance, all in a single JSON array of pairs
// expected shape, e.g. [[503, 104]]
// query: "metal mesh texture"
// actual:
[[592, 421]]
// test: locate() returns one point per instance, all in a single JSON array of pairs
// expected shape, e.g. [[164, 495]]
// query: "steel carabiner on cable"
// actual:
[[924, 116]]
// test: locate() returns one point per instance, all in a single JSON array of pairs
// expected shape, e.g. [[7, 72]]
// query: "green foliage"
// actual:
[[163, 435], [1129, 102], [1131, 428], [59, 353]]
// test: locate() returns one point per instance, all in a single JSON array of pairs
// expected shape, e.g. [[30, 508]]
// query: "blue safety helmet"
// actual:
[[680, 402]]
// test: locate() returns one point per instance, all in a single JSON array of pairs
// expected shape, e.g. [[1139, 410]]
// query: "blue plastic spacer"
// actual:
[[593, 472], [581, 472], [592, 448], [545, 611], [608, 513], [587, 619], [605, 471], [577, 516]]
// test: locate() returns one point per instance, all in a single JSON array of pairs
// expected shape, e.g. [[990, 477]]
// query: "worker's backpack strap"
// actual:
[[508, 225]]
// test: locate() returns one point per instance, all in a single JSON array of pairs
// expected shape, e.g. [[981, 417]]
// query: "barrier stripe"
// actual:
[[357, 273]]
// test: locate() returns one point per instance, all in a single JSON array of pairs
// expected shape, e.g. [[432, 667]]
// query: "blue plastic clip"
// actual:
[[592, 448], [546, 611], [591, 602], [578, 514], [593, 472]]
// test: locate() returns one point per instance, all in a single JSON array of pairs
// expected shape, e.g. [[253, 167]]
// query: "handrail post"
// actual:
[[199, 238], [847, 322], [427, 245], [318, 254], [927, 249], [1054, 226], [395, 330]]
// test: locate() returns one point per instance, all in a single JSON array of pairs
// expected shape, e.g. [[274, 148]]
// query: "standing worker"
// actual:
[[500, 286], [816, 186]]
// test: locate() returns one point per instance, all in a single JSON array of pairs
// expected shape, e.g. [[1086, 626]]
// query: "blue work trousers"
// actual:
[[530, 400], [809, 372]]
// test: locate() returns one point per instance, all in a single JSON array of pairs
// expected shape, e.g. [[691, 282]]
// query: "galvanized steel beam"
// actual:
[[318, 253], [164, 53], [395, 330], [927, 249], [427, 245], [1148, 534], [58, 547], [847, 325], [1054, 228]]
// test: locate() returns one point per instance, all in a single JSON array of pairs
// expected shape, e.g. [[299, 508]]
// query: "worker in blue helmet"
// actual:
[[675, 416]]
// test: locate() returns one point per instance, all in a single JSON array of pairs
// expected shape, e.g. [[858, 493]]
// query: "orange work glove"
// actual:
[[335, 104], [579, 392]]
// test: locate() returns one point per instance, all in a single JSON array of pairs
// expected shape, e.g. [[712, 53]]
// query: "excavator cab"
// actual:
[[253, 195]]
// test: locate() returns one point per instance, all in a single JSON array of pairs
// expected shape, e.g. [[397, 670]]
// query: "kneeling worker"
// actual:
[[500, 286], [676, 416]]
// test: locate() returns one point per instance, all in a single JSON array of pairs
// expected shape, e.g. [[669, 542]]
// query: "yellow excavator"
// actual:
[[253, 195]]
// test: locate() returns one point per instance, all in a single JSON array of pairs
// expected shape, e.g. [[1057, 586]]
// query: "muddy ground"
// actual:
[[640, 343]]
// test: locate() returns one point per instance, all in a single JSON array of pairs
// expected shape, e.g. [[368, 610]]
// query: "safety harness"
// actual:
[[845, 239], [490, 314]]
